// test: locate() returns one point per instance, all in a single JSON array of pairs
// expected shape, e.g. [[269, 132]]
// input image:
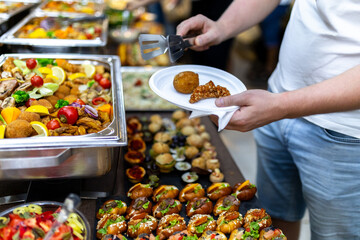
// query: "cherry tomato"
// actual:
[[31, 63], [79, 101], [98, 100], [28, 102], [89, 35], [53, 124], [105, 83], [37, 81], [98, 30], [68, 114], [98, 77]]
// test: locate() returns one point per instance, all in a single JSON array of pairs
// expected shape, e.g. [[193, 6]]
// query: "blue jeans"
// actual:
[[303, 165]]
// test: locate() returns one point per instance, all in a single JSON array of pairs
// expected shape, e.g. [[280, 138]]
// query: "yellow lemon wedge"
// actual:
[[2, 131], [55, 79], [45, 70], [40, 128], [89, 70], [38, 109], [59, 73], [77, 75]]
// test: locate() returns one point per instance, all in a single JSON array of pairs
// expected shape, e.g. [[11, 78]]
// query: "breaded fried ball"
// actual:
[[52, 99], [18, 129], [45, 103], [186, 82], [29, 116]]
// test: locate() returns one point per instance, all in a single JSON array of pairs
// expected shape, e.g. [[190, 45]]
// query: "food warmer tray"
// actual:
[[99, 10], [10, 38], [68, 156], [27, 4]]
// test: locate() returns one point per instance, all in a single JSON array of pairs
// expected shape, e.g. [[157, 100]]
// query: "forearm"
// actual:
[[341, 93], [243, 14]]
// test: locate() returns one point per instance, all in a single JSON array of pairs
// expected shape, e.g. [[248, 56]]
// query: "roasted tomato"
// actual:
[[98, 77], [31, 63], [68, 114], [37, 81], [105, 83], [53, 124]]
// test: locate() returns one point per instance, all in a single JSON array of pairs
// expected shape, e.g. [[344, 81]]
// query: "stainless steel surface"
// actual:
[[27, 5], [10, 38], [99, 9]]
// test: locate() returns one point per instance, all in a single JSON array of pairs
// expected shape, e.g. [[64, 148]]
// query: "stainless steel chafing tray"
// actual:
[[99, 8], [68, 156], [26, 5], [10, 36]]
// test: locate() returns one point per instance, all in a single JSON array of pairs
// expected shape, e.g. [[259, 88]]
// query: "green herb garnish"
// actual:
[[120, 204], [146, 205], [20, 96], [222, 208], [197, 189], [61, 103]]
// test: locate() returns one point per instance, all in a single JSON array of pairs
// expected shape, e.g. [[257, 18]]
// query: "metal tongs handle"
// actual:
[[83, 19]]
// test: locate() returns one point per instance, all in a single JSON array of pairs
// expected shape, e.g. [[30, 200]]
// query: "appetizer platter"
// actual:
[[160, 205], [41, 29], [11, 8], [137, 93], [73, 7]]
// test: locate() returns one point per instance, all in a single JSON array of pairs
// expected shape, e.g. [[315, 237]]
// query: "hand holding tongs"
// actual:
[[152, 45]]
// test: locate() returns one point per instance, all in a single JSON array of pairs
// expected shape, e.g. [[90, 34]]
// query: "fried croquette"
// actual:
[[186, 82], [18, 129], [29, 116]]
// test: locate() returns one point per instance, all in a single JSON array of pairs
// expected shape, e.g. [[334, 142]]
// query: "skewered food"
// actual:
[[186, 82], [228, 221], [141, 223], [213, 235], [190, 191], [272, 233], [145, 236], [170, 224], [140, 190], [138, 206], [199, 206], [259, 216], [201, 223], [245, 191], [209, 90], [110, 224], [218, 190], [226, 203], [165, 191], [240, 233], [112, 207], [166, 206]]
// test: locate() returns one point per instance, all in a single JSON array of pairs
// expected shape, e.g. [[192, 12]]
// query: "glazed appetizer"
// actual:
[[228, 221], [137, 144], [190, 191], [165, 191], [170, 224], [245, 191], [218, 190], [166, 206], [240, 233], [113, 237], [135, 174], [134, 157], [141, 223], [226, 203], [145, 236], [110, 224], [140, 190], [201, 223], [199, 206], [272, 233], [112, 207], [133, 125], [183, 235], [213, 235], [139, 205], [259, 216]]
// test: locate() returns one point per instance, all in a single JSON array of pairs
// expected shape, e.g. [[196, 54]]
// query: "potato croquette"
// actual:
[[45, 103], [18, 129], [52, 99], [186, 82], [29, 116]]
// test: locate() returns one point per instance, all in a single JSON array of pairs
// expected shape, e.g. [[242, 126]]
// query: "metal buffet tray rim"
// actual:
[[113, 136], [6, 16], [9, 36], [98, 12]]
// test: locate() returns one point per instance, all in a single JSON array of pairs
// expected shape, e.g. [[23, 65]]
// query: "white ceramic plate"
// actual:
[[161, 82]]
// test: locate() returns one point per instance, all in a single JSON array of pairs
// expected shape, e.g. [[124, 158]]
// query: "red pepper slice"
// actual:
[[98, 100]]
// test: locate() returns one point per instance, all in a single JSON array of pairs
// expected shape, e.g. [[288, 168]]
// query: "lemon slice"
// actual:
[[40, 128], [2, 131], [54, 78], [77, 75], [59, 73], [89, 70], [38, 109], [45, 70]]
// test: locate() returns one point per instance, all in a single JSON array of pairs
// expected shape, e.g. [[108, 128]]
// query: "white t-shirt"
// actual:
[[322, 40]]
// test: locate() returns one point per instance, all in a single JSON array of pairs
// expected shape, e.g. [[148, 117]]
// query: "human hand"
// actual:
[[257, 108], [210, 32], [132, 5]]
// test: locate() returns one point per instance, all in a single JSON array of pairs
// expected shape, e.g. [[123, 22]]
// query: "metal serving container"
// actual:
[[26, 5], [99, 8], [68, 156], [10, 36]]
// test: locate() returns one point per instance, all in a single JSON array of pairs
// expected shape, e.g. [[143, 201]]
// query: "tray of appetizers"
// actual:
[[53, 30], [175, 188], [11, 8], [73, 7]]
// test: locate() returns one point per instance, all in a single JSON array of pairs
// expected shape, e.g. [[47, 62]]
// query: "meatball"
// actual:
[[18, 129]]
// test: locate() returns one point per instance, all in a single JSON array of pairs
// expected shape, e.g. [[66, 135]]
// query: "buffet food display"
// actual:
[[95, 7], [7, 7]]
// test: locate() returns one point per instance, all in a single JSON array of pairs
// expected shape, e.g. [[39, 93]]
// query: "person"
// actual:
[[307, 126]]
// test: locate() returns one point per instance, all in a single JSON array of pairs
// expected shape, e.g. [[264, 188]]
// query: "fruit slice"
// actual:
[[40, 128], [54, 78], [89, 70], [2, 131], [38, 109], [59, 73], [45, 70], [10, 114], [77, 75]]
